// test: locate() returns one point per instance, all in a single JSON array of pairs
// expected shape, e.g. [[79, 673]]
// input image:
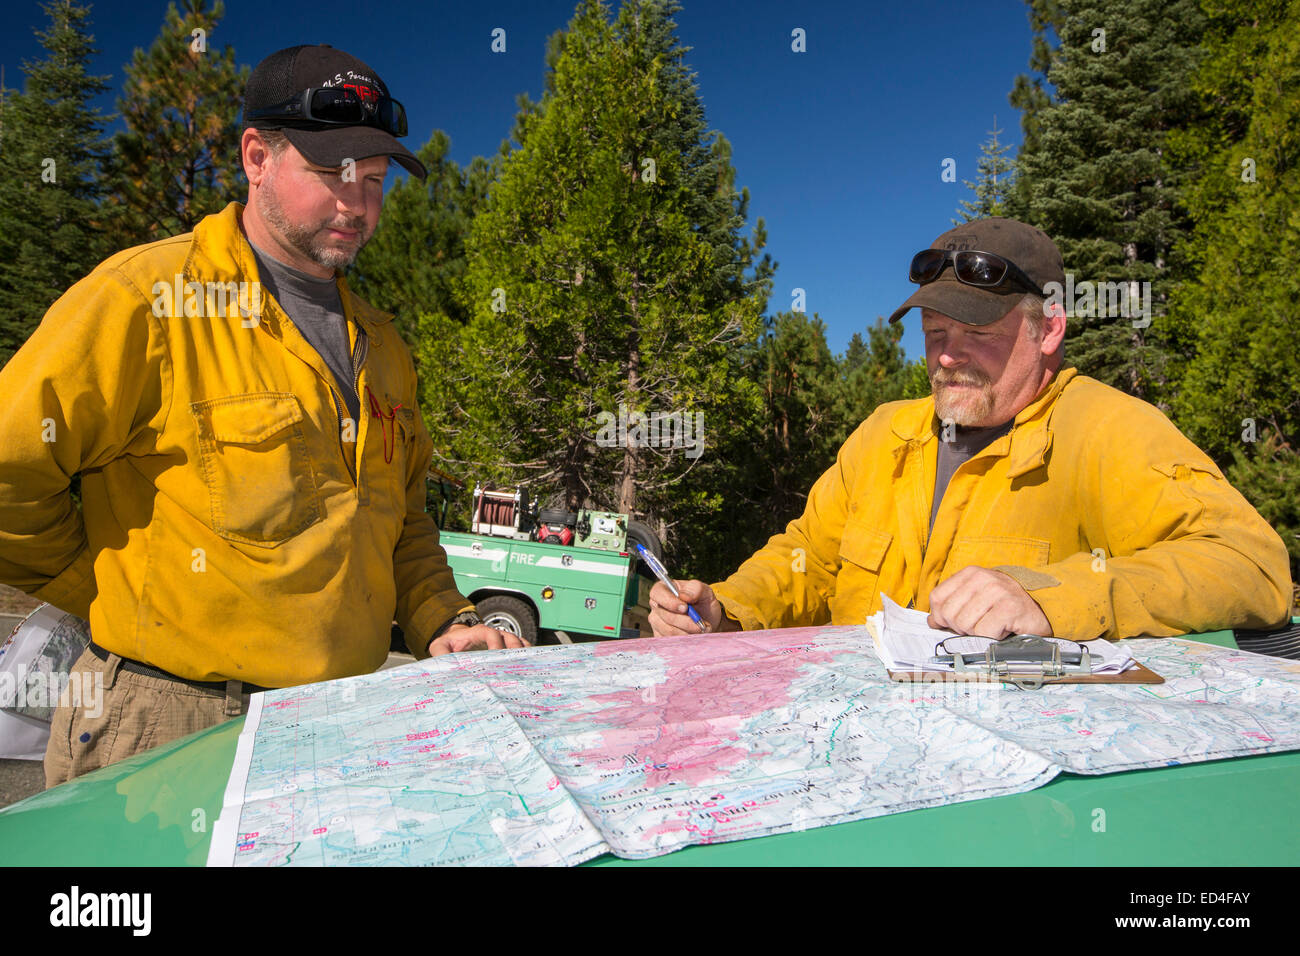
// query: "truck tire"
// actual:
[[638, 532], [509, 614]]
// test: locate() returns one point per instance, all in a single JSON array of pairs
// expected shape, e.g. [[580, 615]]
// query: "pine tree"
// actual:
[[873, 371], [1093, 172], [178, 159], [803, 420], [1236, 318], [606, 273], [1028, 95], [51, 145], [996, 180]]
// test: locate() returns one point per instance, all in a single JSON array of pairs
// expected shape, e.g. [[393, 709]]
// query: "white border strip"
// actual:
[[554, 561], [225, 832]]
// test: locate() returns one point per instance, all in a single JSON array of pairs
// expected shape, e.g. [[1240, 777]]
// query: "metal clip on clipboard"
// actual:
[[1026, 660]]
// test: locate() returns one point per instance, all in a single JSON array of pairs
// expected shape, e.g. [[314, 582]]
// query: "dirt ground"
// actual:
[[20, 779]]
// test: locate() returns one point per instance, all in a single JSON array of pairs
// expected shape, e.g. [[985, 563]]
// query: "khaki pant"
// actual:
[[137, 712]]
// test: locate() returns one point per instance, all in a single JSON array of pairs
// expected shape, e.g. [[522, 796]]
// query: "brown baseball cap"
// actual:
[[1030, 250], [286, 73]]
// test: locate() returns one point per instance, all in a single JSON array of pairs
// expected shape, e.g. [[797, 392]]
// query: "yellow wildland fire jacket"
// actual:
[[1112, 520], [237, 524]]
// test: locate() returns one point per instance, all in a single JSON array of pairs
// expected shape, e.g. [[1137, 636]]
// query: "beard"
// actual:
[[964, 406], [313, 240]]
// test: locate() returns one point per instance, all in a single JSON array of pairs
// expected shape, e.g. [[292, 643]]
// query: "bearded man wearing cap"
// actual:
[[1020, 498], [251, 454]]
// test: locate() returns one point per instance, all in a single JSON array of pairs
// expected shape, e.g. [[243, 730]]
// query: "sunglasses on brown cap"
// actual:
[[984, 270]]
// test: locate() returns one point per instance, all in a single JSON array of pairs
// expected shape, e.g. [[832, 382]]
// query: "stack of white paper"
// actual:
[[906, 642]]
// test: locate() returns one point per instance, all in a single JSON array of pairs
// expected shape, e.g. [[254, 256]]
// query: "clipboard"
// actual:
[[993, 670]]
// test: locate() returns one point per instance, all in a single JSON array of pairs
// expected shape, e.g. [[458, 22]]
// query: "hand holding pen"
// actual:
[[682, 607]]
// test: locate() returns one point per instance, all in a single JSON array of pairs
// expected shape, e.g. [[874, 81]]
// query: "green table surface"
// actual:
[[158, 808]]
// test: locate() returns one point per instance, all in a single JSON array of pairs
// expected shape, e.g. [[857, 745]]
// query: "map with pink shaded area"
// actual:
[[686, 729]]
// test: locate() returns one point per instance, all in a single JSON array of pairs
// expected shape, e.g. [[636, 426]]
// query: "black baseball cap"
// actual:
[[1030, 249], [286, 73]]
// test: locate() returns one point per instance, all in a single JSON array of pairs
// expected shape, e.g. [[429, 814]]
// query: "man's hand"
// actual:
[[668, 614], [480, 637], [988, 603]]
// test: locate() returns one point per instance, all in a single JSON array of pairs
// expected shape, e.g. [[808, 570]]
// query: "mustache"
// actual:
[[943, 377], [351, 225]]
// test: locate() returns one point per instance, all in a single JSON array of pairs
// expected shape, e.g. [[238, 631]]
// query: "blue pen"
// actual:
[[662, 574]]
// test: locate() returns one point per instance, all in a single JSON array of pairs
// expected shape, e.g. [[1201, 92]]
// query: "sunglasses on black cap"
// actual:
[[985, 270], [337, 107]]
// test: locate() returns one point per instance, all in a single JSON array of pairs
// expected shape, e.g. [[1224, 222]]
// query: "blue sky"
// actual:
[[841, 146]]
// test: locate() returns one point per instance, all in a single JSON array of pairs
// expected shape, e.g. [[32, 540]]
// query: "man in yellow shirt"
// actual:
[[251, 453], [1020, 497]]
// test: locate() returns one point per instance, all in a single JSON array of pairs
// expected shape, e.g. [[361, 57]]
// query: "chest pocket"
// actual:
[[261, 483], [862, 553]]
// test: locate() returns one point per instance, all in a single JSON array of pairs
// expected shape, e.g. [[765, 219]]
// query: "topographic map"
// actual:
[[555, 755]]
